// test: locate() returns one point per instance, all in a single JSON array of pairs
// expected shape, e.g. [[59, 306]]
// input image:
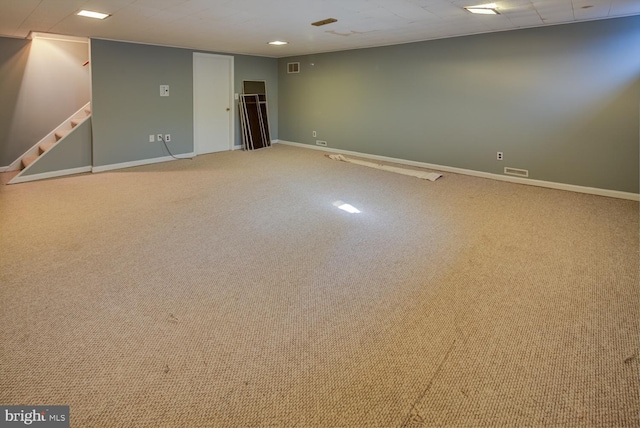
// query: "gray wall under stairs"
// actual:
[[74, 151]]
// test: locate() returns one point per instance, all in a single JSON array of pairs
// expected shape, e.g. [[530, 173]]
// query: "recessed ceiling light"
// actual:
[[278, 43], [91, 14], [484, 9]]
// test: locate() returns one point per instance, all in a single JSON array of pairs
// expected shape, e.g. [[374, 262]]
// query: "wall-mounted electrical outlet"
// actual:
[[159, 137], [167, 138], [314, 134], [500, 156], [321, 143], [152, 138]]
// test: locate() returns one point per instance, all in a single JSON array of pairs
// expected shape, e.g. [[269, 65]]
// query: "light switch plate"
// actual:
[[164, 90]]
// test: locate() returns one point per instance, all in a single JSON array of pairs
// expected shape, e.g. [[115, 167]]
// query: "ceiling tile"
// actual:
[[14, 14], [624, 7]]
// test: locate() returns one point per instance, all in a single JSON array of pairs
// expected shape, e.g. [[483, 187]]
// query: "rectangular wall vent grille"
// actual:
[[324, 22], [516, 171], [293, 67]]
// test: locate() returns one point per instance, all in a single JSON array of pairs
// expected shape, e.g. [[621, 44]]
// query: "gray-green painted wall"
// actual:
[[126, 101], [127, 106], [42, 83], [560, 101]]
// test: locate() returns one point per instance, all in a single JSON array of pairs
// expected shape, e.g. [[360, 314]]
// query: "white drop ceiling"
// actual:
[[246, 26]]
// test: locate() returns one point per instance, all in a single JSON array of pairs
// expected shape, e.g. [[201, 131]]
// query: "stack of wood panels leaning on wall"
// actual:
[[253, 115]]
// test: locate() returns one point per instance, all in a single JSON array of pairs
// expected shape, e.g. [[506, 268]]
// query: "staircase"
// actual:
[[51, 140]]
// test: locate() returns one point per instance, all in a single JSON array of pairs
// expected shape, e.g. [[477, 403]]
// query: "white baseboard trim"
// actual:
[[517, 180], [15, 166], [53, 174], [241, 147], [103, 168]]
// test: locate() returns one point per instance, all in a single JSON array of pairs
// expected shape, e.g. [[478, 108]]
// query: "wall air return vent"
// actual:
[[516, 172], [293, 67]]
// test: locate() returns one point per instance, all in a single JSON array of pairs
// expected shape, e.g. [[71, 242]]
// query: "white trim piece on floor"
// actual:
[[237, 148], [103, 168], [517, 180], [52, 174], [5, 168]]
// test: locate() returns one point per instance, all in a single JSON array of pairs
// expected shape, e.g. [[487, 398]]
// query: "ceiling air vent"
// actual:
[[293, 67], [324, 22]]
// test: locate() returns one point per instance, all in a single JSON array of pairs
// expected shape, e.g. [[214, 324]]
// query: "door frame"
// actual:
[[230, 101]]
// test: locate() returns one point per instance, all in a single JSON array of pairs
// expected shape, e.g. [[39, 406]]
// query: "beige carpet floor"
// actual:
[[229, 291]]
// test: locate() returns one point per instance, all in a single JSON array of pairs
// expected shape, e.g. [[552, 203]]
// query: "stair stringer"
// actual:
[[71, 154], [50, 137]]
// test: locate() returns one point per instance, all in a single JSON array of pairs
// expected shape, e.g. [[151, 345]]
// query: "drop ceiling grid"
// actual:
[[245, 26]]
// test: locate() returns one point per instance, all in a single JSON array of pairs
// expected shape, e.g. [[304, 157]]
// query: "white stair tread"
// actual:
[[61, 134], [46, 146]]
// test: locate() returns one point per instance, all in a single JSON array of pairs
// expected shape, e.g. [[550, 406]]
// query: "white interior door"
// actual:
[[212, 103]]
